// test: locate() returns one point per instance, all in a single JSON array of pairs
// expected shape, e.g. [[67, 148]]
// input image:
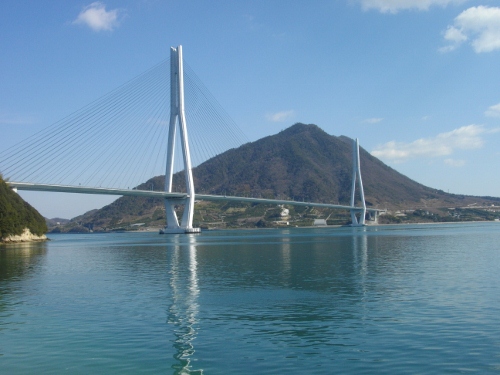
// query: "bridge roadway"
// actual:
[[164, 194]]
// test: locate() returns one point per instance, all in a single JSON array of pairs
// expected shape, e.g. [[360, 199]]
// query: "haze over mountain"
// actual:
[[300, 163]]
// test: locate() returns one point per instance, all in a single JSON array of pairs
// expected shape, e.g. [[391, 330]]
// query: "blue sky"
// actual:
[[417, 81]]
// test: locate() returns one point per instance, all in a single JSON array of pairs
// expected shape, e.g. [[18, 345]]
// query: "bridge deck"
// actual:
[[163, 194]]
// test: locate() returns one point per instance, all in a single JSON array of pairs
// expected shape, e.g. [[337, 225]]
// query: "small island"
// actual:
[[19, 222]]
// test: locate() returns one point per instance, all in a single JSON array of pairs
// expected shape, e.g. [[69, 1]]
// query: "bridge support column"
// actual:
[[356, 175], [177, 115], [372, 216]]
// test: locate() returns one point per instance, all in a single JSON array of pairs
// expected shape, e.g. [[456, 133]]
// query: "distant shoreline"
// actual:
[[155, 230]]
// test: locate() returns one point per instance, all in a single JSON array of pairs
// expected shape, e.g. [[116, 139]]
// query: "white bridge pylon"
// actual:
[[172, 199], [178, 117], [356, 175]]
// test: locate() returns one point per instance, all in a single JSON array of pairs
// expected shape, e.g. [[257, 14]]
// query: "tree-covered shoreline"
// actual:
[[16, 214]]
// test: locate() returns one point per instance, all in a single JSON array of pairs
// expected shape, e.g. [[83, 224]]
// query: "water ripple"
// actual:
[[398, 299]]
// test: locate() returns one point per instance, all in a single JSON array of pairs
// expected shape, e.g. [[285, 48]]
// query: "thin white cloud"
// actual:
[[457, 163], [394, 6], [479, 26], [373, 120], [280, 116], [97, 17], [464, 138], [493, 111]]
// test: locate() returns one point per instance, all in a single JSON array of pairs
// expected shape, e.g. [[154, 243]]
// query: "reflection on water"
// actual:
[[360, 263], [184, 308], [19, 259], [360, 254], [17, 262], [401, 299], [286, 260]]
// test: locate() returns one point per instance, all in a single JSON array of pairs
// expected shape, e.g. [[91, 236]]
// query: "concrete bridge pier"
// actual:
[[177, 115], [356, 176]]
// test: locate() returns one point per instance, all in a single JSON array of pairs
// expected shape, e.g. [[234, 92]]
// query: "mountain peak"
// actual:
[[299, 127], [302, 163]]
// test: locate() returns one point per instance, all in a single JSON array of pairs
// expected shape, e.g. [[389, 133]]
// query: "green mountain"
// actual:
[[300, 163], [305, 163], [16, 214]]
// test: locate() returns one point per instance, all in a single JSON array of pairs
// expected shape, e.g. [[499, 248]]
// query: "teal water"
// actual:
[[387, 299]]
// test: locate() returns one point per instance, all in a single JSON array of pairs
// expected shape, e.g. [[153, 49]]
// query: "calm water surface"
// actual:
[[398, 299]]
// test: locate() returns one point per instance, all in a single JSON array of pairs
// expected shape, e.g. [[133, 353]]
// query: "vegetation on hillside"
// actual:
[[16, 214], [301, 163]]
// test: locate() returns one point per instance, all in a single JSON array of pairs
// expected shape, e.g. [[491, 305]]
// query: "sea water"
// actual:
[[382, 299]]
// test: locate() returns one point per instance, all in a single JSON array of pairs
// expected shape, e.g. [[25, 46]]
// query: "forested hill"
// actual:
[[16, 214], [301, 163]]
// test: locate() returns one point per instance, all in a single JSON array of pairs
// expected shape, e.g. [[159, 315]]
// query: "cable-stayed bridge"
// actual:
[[132, 134]]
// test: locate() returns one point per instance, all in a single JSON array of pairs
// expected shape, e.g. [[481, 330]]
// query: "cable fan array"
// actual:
[[120, 140]]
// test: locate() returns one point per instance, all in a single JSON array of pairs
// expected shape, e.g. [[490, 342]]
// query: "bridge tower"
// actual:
[[178, 117], [356, 175]]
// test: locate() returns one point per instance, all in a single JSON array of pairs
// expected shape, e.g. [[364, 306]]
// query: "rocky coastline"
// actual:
[[26, 236]]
